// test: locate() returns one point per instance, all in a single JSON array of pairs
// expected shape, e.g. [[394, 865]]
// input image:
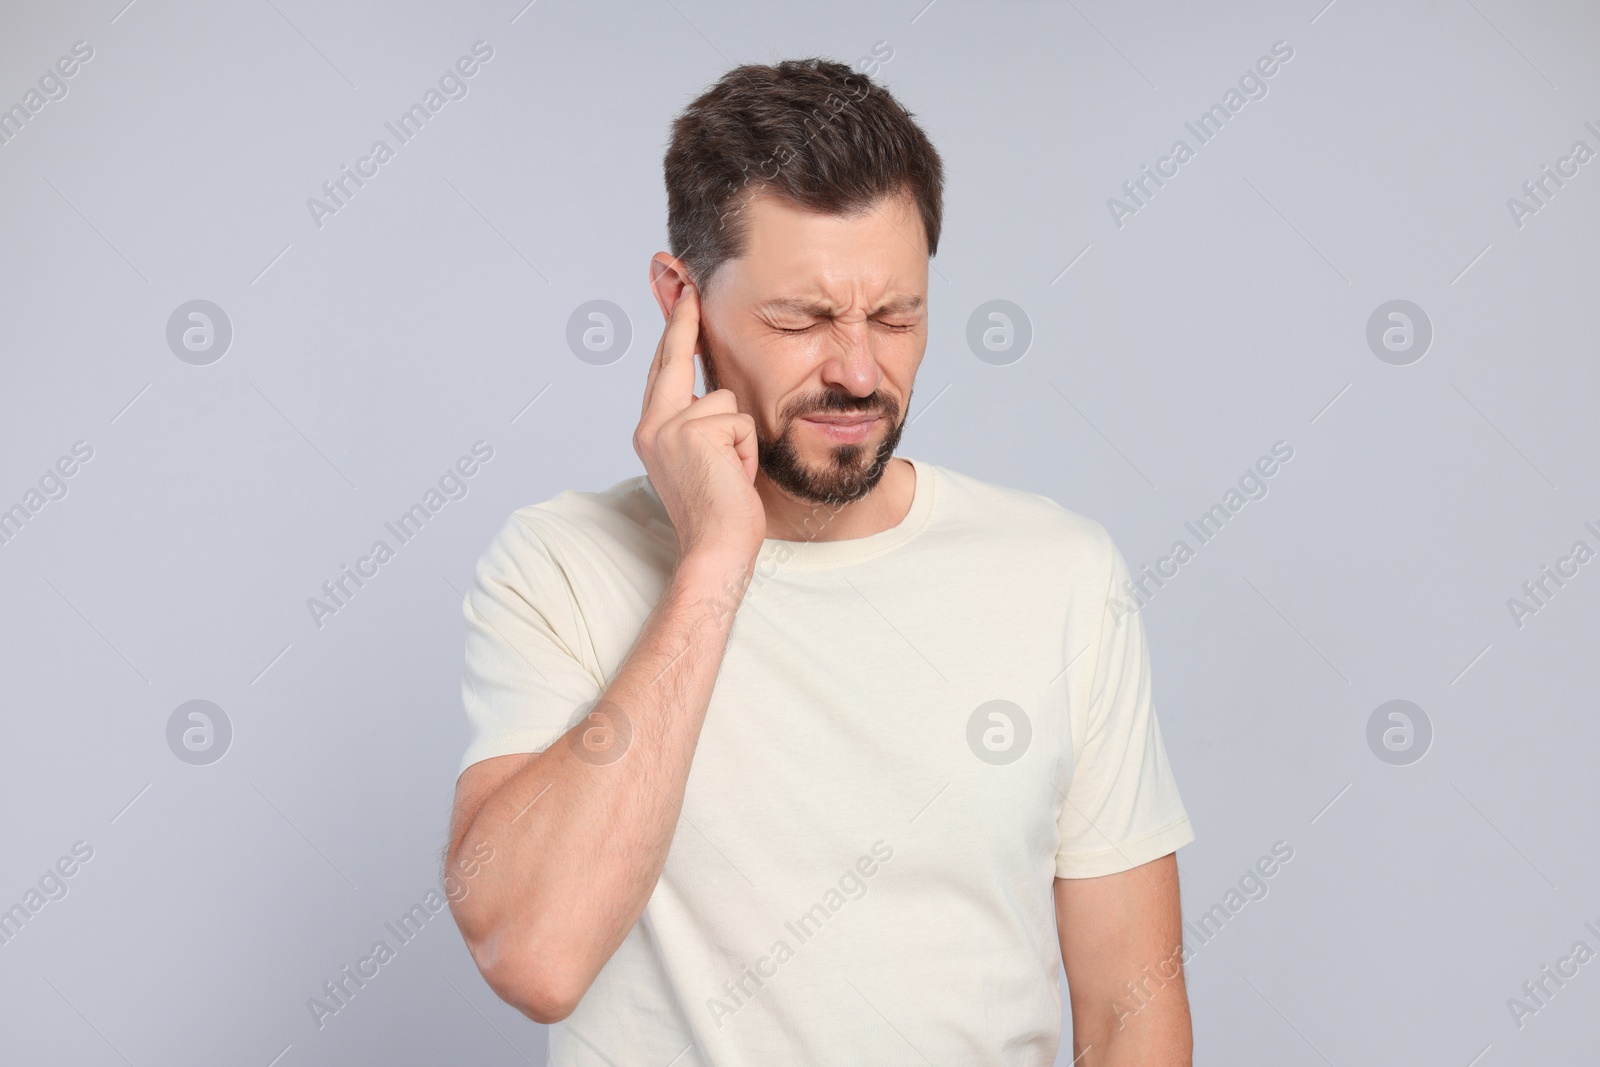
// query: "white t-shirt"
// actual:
[[912, 735]]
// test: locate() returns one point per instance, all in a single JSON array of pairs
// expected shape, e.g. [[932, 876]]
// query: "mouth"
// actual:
[[843, 429]]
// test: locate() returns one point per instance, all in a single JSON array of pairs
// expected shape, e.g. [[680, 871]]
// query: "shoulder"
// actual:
[[624, 521], [1041, 528]]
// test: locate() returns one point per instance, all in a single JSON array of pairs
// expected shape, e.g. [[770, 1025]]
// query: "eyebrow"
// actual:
[[794, 305]]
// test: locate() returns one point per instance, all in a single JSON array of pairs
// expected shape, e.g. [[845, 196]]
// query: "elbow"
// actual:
[[543, 1002], [543, 991], [545, 1014]]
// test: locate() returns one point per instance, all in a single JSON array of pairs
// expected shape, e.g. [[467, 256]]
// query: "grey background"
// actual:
[[368, 354]]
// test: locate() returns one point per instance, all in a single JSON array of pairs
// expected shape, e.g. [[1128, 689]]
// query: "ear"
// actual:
[[669, 277]]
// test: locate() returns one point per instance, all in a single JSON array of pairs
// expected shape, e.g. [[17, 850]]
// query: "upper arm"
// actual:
[[1121, 807], [474, 787], [1116, 929], [526, 670], [522, 681]]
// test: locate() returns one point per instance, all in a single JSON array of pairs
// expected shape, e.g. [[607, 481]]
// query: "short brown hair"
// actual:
[[810, 130]]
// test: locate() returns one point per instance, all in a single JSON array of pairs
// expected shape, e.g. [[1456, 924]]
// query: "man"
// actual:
[[793, 751]]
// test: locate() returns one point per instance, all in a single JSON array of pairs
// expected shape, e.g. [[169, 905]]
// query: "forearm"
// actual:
[[581, 833]]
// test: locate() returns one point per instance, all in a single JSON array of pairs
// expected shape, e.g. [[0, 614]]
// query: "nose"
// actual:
[[850, 364]]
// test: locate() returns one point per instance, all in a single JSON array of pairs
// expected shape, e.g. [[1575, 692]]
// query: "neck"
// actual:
[[791, 519]]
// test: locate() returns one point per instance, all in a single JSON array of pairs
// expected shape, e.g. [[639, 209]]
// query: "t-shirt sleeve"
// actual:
[[522, 682], [1122, 806]]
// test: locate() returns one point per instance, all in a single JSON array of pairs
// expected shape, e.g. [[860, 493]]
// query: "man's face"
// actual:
[[818, 330]]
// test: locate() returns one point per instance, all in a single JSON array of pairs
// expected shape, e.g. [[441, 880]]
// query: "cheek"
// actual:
[[901, 361]]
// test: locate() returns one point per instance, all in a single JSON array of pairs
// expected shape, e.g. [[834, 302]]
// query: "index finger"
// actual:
[[671, 377]]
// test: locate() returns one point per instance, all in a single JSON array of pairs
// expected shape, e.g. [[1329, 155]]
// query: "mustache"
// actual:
[[845, 404]]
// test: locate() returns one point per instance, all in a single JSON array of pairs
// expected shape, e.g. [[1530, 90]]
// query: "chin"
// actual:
[[818, 471]]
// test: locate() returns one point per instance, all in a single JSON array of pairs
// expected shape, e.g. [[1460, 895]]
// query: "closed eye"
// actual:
[[895, 326]]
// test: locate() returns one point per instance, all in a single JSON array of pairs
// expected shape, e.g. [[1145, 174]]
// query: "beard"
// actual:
[[849, 472]]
